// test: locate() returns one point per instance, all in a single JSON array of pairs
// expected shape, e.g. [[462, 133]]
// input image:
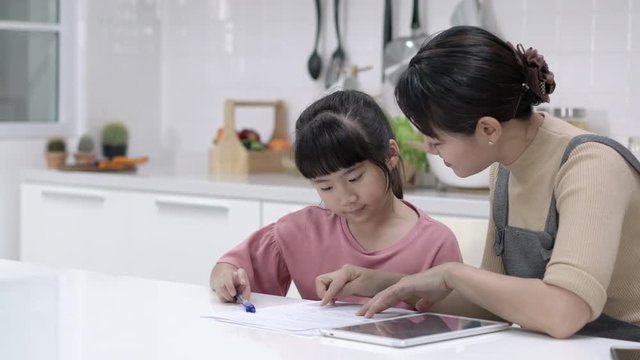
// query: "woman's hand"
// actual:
[[352, 280], [429, 286], [227, 281]]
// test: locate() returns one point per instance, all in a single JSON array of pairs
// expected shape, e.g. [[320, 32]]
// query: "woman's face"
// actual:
[[466, 155]]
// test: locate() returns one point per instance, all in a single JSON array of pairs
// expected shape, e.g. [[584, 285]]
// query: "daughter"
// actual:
[[346, 148]]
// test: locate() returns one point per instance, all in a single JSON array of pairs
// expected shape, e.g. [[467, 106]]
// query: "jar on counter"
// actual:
[[575, 116]]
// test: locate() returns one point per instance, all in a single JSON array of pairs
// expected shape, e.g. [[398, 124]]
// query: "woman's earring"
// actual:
[[490, 142]]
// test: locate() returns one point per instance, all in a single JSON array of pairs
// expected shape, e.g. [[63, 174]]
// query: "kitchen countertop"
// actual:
[[264, 187], [71, 315]]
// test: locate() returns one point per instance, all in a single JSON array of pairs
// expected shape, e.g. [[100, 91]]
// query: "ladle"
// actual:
[[315, 62]]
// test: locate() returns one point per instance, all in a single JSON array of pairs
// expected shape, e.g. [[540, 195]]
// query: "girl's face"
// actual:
[[356, 193], [466, 155]]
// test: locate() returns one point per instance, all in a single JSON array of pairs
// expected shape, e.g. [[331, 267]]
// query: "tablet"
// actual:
[[620, 353], [415, 329]]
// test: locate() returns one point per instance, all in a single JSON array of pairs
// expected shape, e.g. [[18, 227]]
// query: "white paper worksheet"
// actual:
[[305, 318]]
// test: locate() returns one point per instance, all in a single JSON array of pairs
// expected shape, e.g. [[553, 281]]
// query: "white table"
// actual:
[[72, 314]]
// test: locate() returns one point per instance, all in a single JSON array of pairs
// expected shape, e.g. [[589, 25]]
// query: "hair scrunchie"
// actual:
[[536, 71]]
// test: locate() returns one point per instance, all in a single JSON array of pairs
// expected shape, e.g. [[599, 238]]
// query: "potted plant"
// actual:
[[410, 142], [56, 154], [86, 151], [115, 137]]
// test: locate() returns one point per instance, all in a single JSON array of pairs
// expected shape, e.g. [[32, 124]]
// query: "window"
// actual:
[[37, 72]]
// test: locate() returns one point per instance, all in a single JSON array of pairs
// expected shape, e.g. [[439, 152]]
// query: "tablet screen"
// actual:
[[415, 329], [625, 354], [410, 327]]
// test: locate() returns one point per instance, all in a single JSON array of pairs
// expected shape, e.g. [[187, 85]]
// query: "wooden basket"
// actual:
[[230, 158]]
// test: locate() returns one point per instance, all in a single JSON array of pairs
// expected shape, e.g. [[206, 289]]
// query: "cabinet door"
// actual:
[[167, 237], [471, 234], [185, 235], [66, 226]]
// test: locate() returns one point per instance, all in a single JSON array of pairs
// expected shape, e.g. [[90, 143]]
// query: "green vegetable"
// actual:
[[406, 134], [252, 145]]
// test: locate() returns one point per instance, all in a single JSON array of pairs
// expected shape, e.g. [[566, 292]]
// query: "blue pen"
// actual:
[[246, 304]]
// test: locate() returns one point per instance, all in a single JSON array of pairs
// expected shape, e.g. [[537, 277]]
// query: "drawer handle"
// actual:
[[214, 204], [84, 194]]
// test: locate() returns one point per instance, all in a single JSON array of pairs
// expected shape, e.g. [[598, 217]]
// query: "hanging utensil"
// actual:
[[338, 57], [315, 62], [399, 52], [387, 33]]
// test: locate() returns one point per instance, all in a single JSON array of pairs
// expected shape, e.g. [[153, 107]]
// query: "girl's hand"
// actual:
[[227, 281], [429, 286], [352, 280]]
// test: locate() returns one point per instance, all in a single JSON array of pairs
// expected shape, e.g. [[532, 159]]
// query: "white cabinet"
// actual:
[[66, 226], [471, 234], [188, 234], [166, 235], [156, 235]]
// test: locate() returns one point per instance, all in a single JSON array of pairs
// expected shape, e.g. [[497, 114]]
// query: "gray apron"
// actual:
[[525, 253]]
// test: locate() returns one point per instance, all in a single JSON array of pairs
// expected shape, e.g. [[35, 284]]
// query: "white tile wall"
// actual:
[[571, 6], [166, 66], [543, 33], [123, 62], [634, 32], [610, 34], [575, 33], [611, 5]]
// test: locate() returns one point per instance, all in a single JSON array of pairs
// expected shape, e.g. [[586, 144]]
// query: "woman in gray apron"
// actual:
[[563, 245]]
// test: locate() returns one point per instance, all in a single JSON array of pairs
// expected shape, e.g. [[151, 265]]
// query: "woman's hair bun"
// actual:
[[538, 78]]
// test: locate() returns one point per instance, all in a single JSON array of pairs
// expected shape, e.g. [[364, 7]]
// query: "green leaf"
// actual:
[[406, 133]]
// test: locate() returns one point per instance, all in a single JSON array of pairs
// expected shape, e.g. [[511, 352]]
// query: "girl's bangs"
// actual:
[[329, 147]]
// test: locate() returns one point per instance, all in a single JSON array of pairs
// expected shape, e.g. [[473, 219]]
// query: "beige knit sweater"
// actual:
[[597, 249]]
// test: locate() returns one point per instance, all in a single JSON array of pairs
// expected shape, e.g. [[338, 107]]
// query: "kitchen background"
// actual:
[[166, 66]]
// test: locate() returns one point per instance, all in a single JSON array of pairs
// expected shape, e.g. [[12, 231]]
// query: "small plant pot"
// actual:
[[111, 151], [85, 158], [56, 159]]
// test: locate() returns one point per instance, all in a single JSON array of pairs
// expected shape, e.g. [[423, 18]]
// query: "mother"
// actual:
[[563, 245]]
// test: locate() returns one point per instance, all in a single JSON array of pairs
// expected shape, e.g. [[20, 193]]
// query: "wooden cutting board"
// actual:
[[121, 168]]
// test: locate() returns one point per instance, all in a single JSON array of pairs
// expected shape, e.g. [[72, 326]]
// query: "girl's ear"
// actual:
[[394, 154], [488, 129]]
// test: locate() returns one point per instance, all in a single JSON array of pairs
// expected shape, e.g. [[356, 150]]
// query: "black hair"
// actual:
[[461, 75], [341, 130]]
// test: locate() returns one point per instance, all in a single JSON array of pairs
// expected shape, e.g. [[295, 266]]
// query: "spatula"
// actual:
[[338, 57]]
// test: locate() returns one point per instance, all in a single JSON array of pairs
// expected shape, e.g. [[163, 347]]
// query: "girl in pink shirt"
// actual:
[[346, 148]]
